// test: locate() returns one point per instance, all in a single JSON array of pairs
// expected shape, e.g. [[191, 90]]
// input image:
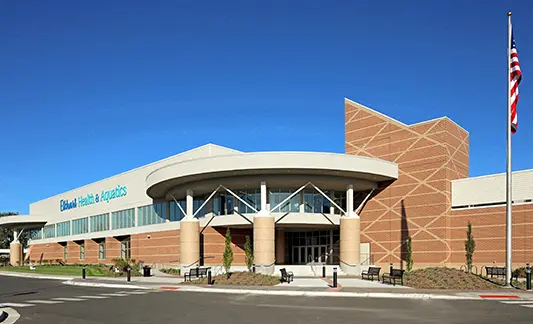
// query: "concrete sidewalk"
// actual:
[[317, 287]]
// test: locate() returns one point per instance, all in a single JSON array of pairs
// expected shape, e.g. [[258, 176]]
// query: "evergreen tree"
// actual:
[[248, 253], [470, 246], [227, 257], [409, 255]]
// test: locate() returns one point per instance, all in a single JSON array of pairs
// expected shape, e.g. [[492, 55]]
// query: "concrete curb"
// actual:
[[8, 316], [26, 275], [102, 285], [327, 294]]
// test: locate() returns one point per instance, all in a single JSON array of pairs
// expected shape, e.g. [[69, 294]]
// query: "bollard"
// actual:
[[129, 274], [253, 268], [209, 277], [390, 269], [323, 271], [197, 271], [528, 277], [335, 277], [83, 273]]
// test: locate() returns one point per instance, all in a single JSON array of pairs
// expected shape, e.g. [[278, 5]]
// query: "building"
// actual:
[[349, 210]]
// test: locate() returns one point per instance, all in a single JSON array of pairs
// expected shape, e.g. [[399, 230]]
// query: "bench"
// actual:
[[371, 273], [396, 274], [495, 271], [286, 276], [195, 272]]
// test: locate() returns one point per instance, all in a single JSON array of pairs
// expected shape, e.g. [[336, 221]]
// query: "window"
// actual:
[[252, 197], [49, 231], [339, 197], [315, 202], [82, 250], [175, 212], [63, 228], [125, 249], [100, 223], [196, 205], [101, 250], [123, 218], [222, 205], [152, 214], [279, 195], [80, 226], [36, 234]]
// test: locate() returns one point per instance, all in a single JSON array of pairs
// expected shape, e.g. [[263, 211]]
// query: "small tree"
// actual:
[[470, 246], [227, 257], [248, 253], [409, 255]]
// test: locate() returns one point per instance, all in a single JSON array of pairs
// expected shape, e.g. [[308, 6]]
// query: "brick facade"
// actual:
[[429, 156]]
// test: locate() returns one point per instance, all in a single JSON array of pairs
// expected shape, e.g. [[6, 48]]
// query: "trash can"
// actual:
[[146, 271]]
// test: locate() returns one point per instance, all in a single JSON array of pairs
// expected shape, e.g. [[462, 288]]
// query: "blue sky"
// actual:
[[90, 90]]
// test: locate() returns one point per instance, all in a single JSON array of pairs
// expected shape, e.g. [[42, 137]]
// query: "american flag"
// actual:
[[516, 77]]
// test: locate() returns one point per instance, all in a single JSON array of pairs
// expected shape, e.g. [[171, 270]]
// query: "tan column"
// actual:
[[189, 243], [280, 247], [264, 246], [15, 253], [350, 244]]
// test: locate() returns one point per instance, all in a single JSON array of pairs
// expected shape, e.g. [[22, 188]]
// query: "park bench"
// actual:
[[371, 273], [396, 274], [495, 271], [286, 276], [195, 272]]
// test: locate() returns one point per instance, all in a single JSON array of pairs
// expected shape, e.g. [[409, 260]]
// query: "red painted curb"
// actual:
[[169, 288], [499, 296]]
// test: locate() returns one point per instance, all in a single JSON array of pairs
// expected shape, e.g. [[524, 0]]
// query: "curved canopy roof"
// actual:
[[163, 179], [22, 222]]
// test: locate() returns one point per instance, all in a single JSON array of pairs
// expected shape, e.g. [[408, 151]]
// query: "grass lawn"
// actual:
[[67, 270]]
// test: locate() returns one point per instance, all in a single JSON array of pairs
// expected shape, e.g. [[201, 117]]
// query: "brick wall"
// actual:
[[214, 238], [161, 247], [429, 155], [488, 229], [49, 251]]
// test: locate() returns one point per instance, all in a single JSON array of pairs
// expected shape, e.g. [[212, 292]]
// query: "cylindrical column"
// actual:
[[350, 241], [189, 243], [280, 247], [349, 199], [263, 196], [189, 208], [264, 246], [15, 253]]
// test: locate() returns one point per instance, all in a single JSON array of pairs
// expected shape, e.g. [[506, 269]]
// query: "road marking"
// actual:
[[114, 295], [530, 306], [334, 308], [499, 296], [517, 302], [46, 301], [15, 305], [93, 297], [134, 292], [68, 299]]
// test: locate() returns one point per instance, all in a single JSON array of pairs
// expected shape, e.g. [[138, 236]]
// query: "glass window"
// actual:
[[252, 197], [49, 231], [175, 212], [196, 205], [123, 218], [279, 195], [63, 228], [82, 250], [223, 204], [125, 249], [101, 250], [36, 234], [80, 226], [152, 214], [339, 197], [100, 223]]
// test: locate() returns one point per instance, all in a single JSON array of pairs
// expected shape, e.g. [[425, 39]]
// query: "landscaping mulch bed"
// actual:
[[239, 278], [447, 278]]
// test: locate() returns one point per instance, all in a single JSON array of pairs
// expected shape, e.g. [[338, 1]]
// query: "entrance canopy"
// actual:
[[19, 222]]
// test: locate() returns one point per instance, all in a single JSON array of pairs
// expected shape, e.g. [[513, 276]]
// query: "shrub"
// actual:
[[470, 246], [227, 257], [248, 253], [171, 271]]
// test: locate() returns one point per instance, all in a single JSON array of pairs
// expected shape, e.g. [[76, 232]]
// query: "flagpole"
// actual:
[[509, 223]]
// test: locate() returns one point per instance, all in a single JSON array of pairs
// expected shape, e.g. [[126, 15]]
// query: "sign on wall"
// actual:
[[91, 199]]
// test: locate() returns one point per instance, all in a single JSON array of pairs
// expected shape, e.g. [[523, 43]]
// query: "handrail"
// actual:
[[350, 265], [207, 257]]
